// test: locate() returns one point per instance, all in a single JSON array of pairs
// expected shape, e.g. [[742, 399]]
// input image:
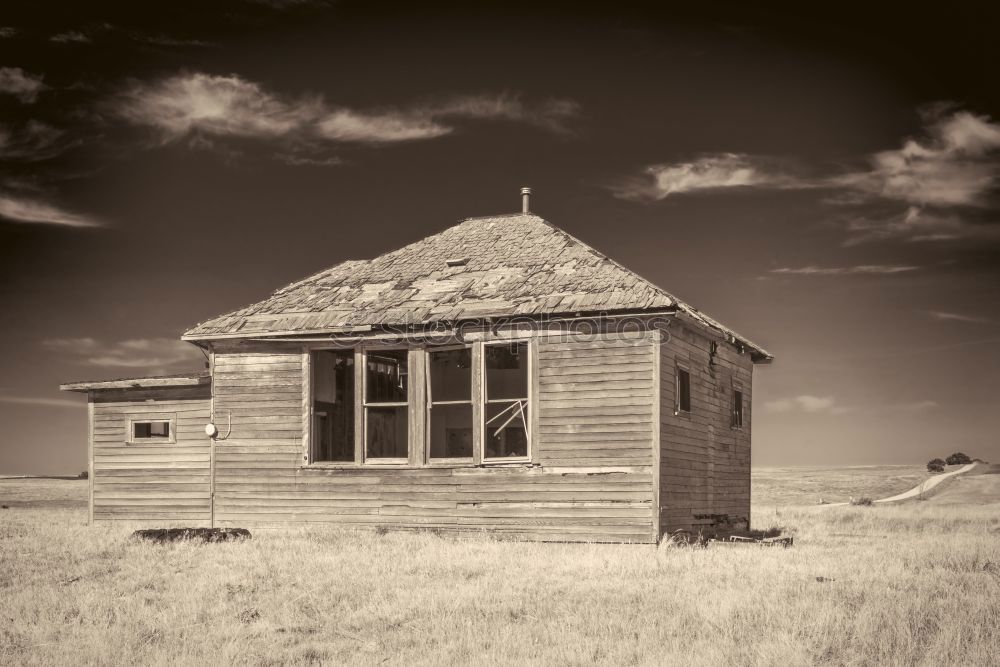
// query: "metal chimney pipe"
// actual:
[[525, 195]]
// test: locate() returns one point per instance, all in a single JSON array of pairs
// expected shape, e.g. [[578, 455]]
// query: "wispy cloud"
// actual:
[[219, 105], [956, 317], [166, 40], [22, 85], [953, 165], [806, 403], [296, 160], [39, 401], [870, 269], [709, 172], [916, 406], [7, 31], [232, 106], [915, 224], [927, 190], [151, 353], [32, 142], [70, 37], [828, 405], [19, 209]]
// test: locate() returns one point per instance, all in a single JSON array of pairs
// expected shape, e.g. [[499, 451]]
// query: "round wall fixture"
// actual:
[[210, 430]]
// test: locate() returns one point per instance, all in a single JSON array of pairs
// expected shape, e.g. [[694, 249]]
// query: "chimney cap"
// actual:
[[525, 191]]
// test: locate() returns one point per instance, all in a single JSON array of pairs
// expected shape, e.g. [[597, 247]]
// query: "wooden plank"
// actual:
[[306, 404], [607, 379], [533, 393], [571, 368], [479, 392], [655, 371], [90, 458]]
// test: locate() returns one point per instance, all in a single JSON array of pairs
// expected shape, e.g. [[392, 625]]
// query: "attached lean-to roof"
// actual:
[[500, 266], [192, 379]]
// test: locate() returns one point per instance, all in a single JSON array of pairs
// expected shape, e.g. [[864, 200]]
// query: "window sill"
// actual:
[[404, 466]]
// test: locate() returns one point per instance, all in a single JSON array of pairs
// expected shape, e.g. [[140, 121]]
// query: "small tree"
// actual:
[[958, 459], [935, 465]]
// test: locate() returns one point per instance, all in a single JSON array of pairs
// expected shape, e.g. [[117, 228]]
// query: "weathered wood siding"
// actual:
[[162, 482], [704, 461], [592, 478]]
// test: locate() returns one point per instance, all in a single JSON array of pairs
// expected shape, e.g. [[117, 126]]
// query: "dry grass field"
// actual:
[[915, 584]]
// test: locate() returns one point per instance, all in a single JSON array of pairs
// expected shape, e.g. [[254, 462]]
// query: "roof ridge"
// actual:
[[608, 259], [517, 214]]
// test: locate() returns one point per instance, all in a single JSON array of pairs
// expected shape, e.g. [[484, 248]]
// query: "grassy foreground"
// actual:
[[911, 584]]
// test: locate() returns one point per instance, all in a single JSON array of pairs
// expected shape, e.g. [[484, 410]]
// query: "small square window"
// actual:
[[151, 430], [683, 400]]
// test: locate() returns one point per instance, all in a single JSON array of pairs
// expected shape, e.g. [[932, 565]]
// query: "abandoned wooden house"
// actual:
[[498, 376]]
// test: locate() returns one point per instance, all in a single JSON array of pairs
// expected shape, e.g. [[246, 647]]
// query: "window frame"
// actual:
[[310, 437], [418, 406], [529, 403], [679, 411], [383, 460], [737, 388], [169, 418], [429, 403]]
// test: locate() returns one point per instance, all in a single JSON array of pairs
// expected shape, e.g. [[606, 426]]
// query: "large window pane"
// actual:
[[451, 375], [451, 431], [333, 405], [506, 371], [506, 410], [386, 433], [388, 373], [450, 425], [507, 429]]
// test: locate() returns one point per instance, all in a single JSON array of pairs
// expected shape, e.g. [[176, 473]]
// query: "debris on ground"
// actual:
[[164, 535], [784, 542]]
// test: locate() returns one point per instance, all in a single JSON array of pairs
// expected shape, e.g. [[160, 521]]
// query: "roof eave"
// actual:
[[364, 328], [137, 383]]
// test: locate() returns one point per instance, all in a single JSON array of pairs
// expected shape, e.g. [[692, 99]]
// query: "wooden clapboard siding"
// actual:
[[704, 462], [595, 401], [593, 479], [162, 481]]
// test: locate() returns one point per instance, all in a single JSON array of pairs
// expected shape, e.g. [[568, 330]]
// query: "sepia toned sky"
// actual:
[[824, 181]]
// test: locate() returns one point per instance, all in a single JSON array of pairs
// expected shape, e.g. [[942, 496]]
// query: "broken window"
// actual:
[[144, 430], [150, 430], [333, 406], [737, 408], [386, 392], [506, 406], [683, 391], [450, 401]]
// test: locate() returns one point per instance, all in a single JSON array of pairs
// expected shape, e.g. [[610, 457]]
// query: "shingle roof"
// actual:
[[497, 266]]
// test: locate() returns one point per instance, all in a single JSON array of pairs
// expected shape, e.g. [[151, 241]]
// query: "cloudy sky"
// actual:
[[825, 183]]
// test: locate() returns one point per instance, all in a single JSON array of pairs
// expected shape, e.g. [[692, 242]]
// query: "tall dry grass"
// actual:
[[907, 585]]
